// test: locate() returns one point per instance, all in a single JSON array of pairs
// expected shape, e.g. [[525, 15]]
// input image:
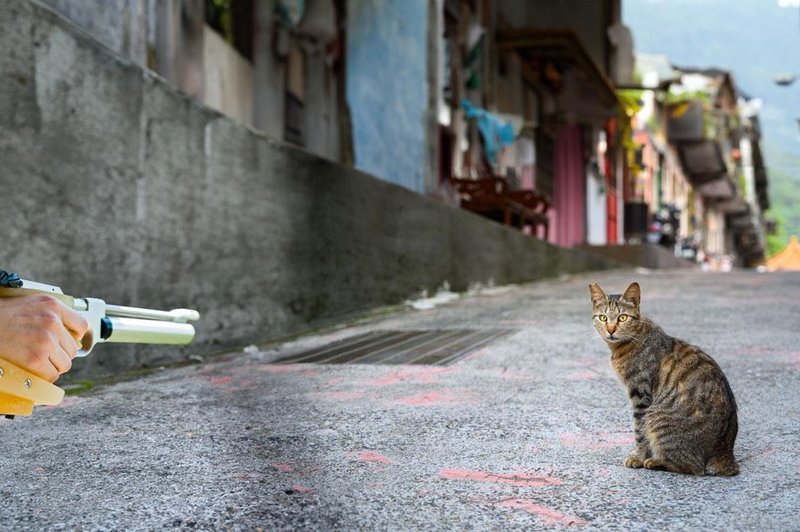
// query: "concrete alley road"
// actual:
[[529, 432]]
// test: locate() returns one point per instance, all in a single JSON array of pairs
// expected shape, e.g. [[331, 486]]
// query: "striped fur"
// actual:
[[684, 412]]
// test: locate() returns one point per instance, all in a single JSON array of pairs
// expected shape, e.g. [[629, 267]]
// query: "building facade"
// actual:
[[543, 96]]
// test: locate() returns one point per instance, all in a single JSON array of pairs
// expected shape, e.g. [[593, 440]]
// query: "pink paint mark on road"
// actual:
[[283, 468], [372, 456], [424, 399], [435, 398], [766, 351], [600, 440], [302, 489], [221, 380], [548, 515], [282, 368], [421, 374], [585, 375], [514, 479], [334, 382], [759, 454], [758, 351]]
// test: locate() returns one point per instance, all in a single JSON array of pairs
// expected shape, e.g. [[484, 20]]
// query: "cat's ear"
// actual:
[[597, 294], [632, 294]]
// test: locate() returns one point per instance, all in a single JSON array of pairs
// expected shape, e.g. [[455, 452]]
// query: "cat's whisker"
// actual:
[[589, 334]]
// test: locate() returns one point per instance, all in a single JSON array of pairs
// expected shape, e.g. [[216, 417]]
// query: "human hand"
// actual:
[[41, 334]]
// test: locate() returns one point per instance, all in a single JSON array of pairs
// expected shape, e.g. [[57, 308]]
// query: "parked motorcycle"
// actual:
[[663, 229]]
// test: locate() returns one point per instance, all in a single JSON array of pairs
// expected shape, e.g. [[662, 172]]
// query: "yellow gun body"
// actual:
[[21, 390]]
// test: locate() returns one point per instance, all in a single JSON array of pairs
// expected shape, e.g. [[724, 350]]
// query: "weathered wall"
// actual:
[[644, 255], [119, 24], [387, 88], [269, 73], [582, 16], [117, 186], [227, 78]]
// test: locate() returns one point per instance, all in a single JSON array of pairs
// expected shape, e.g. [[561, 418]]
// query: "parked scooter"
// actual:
[[664, 228]]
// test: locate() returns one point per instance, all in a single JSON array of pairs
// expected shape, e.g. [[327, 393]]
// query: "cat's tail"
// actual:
[[723, 465]]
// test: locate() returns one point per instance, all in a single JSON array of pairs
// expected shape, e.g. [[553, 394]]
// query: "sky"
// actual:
[[755, 39]]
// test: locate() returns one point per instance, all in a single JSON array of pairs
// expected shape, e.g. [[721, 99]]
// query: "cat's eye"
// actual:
[[622, 317], [602, 317]]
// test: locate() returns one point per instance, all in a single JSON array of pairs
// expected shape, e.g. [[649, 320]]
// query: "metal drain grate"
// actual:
[[399, 347]]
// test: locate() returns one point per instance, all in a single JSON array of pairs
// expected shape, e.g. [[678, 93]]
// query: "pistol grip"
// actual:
[[21, 390]]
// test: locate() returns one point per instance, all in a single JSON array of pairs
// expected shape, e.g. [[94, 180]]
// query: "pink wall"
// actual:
[[568, 213]]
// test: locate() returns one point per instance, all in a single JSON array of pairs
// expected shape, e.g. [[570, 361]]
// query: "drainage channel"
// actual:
[[431, 347]]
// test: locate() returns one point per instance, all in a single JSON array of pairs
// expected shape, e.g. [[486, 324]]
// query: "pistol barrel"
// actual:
[[141, 331], [178, 315]]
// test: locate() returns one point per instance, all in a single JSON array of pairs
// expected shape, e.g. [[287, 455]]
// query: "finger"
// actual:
[[68, 343], [74, 321], [78, 339], [61, 361], [51, 374], [46, 370]]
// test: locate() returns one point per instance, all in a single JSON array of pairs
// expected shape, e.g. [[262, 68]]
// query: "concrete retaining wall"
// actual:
[[644, 255], [116, 185]]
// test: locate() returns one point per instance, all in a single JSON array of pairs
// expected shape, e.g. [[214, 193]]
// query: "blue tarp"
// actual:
[[494, 131]]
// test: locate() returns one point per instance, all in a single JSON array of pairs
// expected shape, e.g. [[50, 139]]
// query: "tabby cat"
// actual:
[[684, 412]]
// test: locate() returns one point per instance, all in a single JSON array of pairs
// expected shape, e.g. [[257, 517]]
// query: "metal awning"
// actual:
[[719, 189], [685, 121], [702, 161], [742, 224], [558, 60], [735, 206]]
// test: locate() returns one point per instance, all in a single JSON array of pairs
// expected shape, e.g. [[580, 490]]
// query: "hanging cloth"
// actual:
[[496, 133]]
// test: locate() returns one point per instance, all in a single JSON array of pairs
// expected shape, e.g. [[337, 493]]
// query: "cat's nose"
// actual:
[[611, 328]]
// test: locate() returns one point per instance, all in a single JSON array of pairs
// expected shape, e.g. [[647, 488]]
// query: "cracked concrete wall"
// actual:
[[117, 186]]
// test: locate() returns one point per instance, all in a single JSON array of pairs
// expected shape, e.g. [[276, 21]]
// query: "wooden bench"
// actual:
[[536, 207], [491, 197]]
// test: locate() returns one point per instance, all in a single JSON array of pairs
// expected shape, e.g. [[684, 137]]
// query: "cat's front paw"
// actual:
[[634, 461], [653, 463]]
